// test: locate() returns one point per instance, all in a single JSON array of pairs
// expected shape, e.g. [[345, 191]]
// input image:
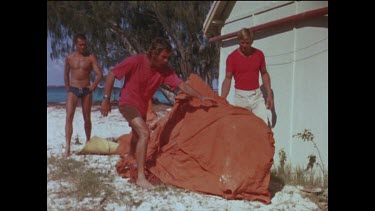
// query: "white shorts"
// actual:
[[253, 100]]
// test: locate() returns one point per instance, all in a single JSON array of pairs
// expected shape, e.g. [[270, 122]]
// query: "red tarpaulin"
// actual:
[[222, 150]]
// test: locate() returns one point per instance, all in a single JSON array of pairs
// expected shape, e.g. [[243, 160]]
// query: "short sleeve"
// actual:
[[229, 64], [262, 60], [124, 68], [172, 80]]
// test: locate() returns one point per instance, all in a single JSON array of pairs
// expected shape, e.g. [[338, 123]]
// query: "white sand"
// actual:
[[126, 195]]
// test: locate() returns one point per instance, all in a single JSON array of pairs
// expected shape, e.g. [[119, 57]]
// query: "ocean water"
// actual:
[[58, 95]]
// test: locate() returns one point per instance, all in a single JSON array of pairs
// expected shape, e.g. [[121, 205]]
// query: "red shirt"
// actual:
[[141, 81], [246, 69]]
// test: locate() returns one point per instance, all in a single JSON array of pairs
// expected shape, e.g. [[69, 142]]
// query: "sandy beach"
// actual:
[[123, 195]]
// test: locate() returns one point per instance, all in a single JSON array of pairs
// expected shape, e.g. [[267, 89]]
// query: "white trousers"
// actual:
[[253, 100]]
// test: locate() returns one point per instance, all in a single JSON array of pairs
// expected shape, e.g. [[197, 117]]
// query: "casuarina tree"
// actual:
[[117, 29]]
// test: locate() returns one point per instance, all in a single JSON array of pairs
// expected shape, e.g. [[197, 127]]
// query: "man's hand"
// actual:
[[154, 123], [105, 107], [269, 103], [92, 87]]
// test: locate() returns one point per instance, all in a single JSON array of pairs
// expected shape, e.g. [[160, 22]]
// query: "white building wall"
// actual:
[[297, 61]]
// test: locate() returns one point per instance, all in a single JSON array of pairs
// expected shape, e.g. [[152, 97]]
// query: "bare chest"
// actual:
[[82, 63]]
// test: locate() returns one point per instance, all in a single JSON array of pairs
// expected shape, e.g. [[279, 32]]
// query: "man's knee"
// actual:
[[144, 133], [87, 119], [87, 123], [69, 118]]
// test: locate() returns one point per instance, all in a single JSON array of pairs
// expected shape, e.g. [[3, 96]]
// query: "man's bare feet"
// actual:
[[144, 184], [67, 154]]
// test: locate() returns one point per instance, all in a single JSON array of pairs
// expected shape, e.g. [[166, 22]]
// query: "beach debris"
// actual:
[[76, 139]]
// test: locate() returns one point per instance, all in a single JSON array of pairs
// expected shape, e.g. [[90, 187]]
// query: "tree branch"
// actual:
[[132, 46]]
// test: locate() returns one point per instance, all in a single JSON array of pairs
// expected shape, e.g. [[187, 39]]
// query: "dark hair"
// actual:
[[159, 44], [79, 36]]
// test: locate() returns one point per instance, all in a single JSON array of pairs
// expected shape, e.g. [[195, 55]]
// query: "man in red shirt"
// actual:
[[143, 75], [244, 64]]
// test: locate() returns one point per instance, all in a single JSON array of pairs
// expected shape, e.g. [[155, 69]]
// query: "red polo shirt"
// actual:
[[245, 69], [142, 81]]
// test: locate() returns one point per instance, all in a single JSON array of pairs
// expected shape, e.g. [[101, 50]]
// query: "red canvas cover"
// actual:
[[221, 150]]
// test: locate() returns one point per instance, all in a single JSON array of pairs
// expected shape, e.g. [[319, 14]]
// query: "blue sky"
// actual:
[[55, 69]]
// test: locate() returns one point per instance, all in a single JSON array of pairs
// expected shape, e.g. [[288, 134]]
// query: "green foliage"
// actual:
[[117, 29], [282, 160], [312, 160], [282, 156], [307, 135], [298, 176], [183, 22], [96, 19]]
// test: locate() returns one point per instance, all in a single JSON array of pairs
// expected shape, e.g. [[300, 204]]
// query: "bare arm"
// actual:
[[106, 105], [192, 92], [66, 74], [266, 79], [110, 80], [188, 90], [225, 86], [98, 72]]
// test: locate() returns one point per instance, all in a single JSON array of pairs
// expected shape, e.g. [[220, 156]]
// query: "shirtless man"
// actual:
[[79, 65]]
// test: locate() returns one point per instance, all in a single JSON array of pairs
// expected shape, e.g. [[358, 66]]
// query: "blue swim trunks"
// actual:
[[79, 92]]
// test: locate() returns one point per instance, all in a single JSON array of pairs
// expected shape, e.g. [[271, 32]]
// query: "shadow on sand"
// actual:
[[276, 185]]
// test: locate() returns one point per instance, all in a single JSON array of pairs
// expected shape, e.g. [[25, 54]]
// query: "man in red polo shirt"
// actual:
[[143, 75], [244, 64]]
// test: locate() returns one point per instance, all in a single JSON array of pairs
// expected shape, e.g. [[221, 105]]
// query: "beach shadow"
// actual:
[[276, 185], [273, 112]]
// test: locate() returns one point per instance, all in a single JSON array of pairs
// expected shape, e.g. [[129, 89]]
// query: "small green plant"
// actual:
[[312, 160], [306, 135], [284, 174], [297, 176], [282, 156]]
